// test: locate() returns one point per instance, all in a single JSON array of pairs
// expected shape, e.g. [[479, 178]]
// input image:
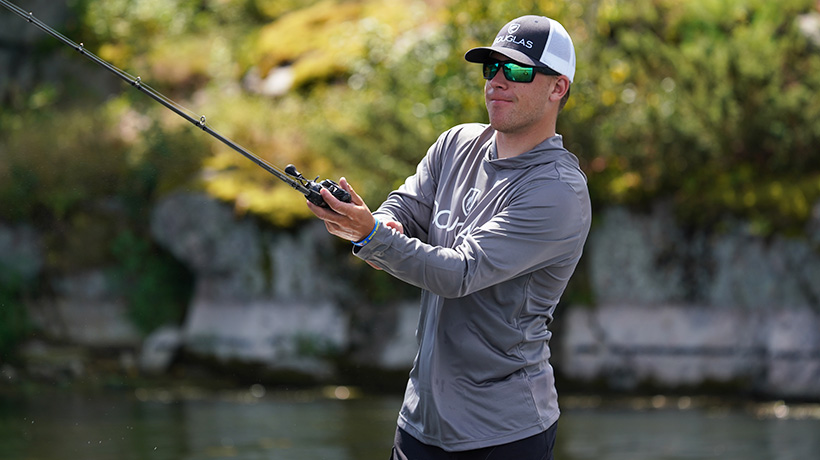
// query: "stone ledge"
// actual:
[[774, 352]]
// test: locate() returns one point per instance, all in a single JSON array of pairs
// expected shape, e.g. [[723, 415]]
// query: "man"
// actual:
[[491, 227]]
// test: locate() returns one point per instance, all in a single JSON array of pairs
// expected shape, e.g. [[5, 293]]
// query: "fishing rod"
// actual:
[[309, 188]]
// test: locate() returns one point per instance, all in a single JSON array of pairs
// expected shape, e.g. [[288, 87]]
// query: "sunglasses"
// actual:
[[515, 72]]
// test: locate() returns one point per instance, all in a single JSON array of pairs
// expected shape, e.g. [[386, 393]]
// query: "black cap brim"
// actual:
[[482, 54]]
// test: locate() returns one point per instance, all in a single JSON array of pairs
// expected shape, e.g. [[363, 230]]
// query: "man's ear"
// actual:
[[560, 88]]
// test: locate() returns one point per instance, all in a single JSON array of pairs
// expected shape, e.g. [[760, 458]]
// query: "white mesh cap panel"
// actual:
[[559, 53]]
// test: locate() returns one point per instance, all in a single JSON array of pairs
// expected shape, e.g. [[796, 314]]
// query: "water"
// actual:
[[157, 425], [714, 431]]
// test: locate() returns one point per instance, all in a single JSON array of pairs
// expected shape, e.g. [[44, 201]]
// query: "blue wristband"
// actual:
[[369, 237]]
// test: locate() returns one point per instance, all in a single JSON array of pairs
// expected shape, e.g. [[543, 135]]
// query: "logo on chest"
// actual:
[[444, 219]]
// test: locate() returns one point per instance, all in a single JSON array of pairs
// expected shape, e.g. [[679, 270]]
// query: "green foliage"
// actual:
[[398, 96], [275, 8], [45, 159], [135, 23], [17, 282], [314, 346], [156, 287], [14, 323], [670, 100], [708, 102], [54, 161]]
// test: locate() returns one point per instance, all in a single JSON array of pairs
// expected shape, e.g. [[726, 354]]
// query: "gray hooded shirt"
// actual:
[[492, 243]]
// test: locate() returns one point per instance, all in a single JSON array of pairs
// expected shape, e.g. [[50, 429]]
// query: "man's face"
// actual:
[[517, 107]]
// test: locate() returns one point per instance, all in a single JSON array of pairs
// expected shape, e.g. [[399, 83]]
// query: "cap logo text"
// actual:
[[513, 39]]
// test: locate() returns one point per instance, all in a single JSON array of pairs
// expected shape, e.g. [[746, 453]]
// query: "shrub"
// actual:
[[14, 323], [156, 287]]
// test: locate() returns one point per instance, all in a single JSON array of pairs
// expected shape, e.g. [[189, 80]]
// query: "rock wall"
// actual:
[[768, 352], [276, 298], [672, 310], [676, 310], [646, 259], [259, 296], [21, 255]]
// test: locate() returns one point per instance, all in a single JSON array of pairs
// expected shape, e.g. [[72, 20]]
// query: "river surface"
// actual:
[[337, 424]]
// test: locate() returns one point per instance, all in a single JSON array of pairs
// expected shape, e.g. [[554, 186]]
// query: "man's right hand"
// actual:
[[396, 226]]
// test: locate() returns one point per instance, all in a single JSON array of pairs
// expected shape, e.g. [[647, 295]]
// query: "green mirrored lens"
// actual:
[[490, 69], [517, 73], [512, 71]]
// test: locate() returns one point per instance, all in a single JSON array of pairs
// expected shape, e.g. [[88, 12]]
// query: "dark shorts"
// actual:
[[538, 447]]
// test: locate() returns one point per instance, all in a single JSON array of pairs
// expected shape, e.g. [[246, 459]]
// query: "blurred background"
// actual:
[[161, 296]]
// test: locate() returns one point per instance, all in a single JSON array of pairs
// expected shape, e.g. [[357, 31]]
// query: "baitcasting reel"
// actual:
[[312, 188]]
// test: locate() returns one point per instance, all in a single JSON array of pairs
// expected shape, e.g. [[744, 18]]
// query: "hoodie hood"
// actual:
[[550, 150]]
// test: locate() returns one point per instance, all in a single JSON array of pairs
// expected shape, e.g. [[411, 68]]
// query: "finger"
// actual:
[[354, 197], [396, 226], [333, 202], [328, 215], [320, 212]]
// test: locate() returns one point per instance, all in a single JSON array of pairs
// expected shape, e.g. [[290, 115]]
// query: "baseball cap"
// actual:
[[532, 40]]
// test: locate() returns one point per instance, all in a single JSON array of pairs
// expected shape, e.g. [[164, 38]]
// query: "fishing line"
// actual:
[[309, 188]]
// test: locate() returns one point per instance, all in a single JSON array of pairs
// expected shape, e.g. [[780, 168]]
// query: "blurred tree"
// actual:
[[708, 103]]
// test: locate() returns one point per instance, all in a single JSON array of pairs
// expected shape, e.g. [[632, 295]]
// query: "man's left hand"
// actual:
[[352, 221]]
